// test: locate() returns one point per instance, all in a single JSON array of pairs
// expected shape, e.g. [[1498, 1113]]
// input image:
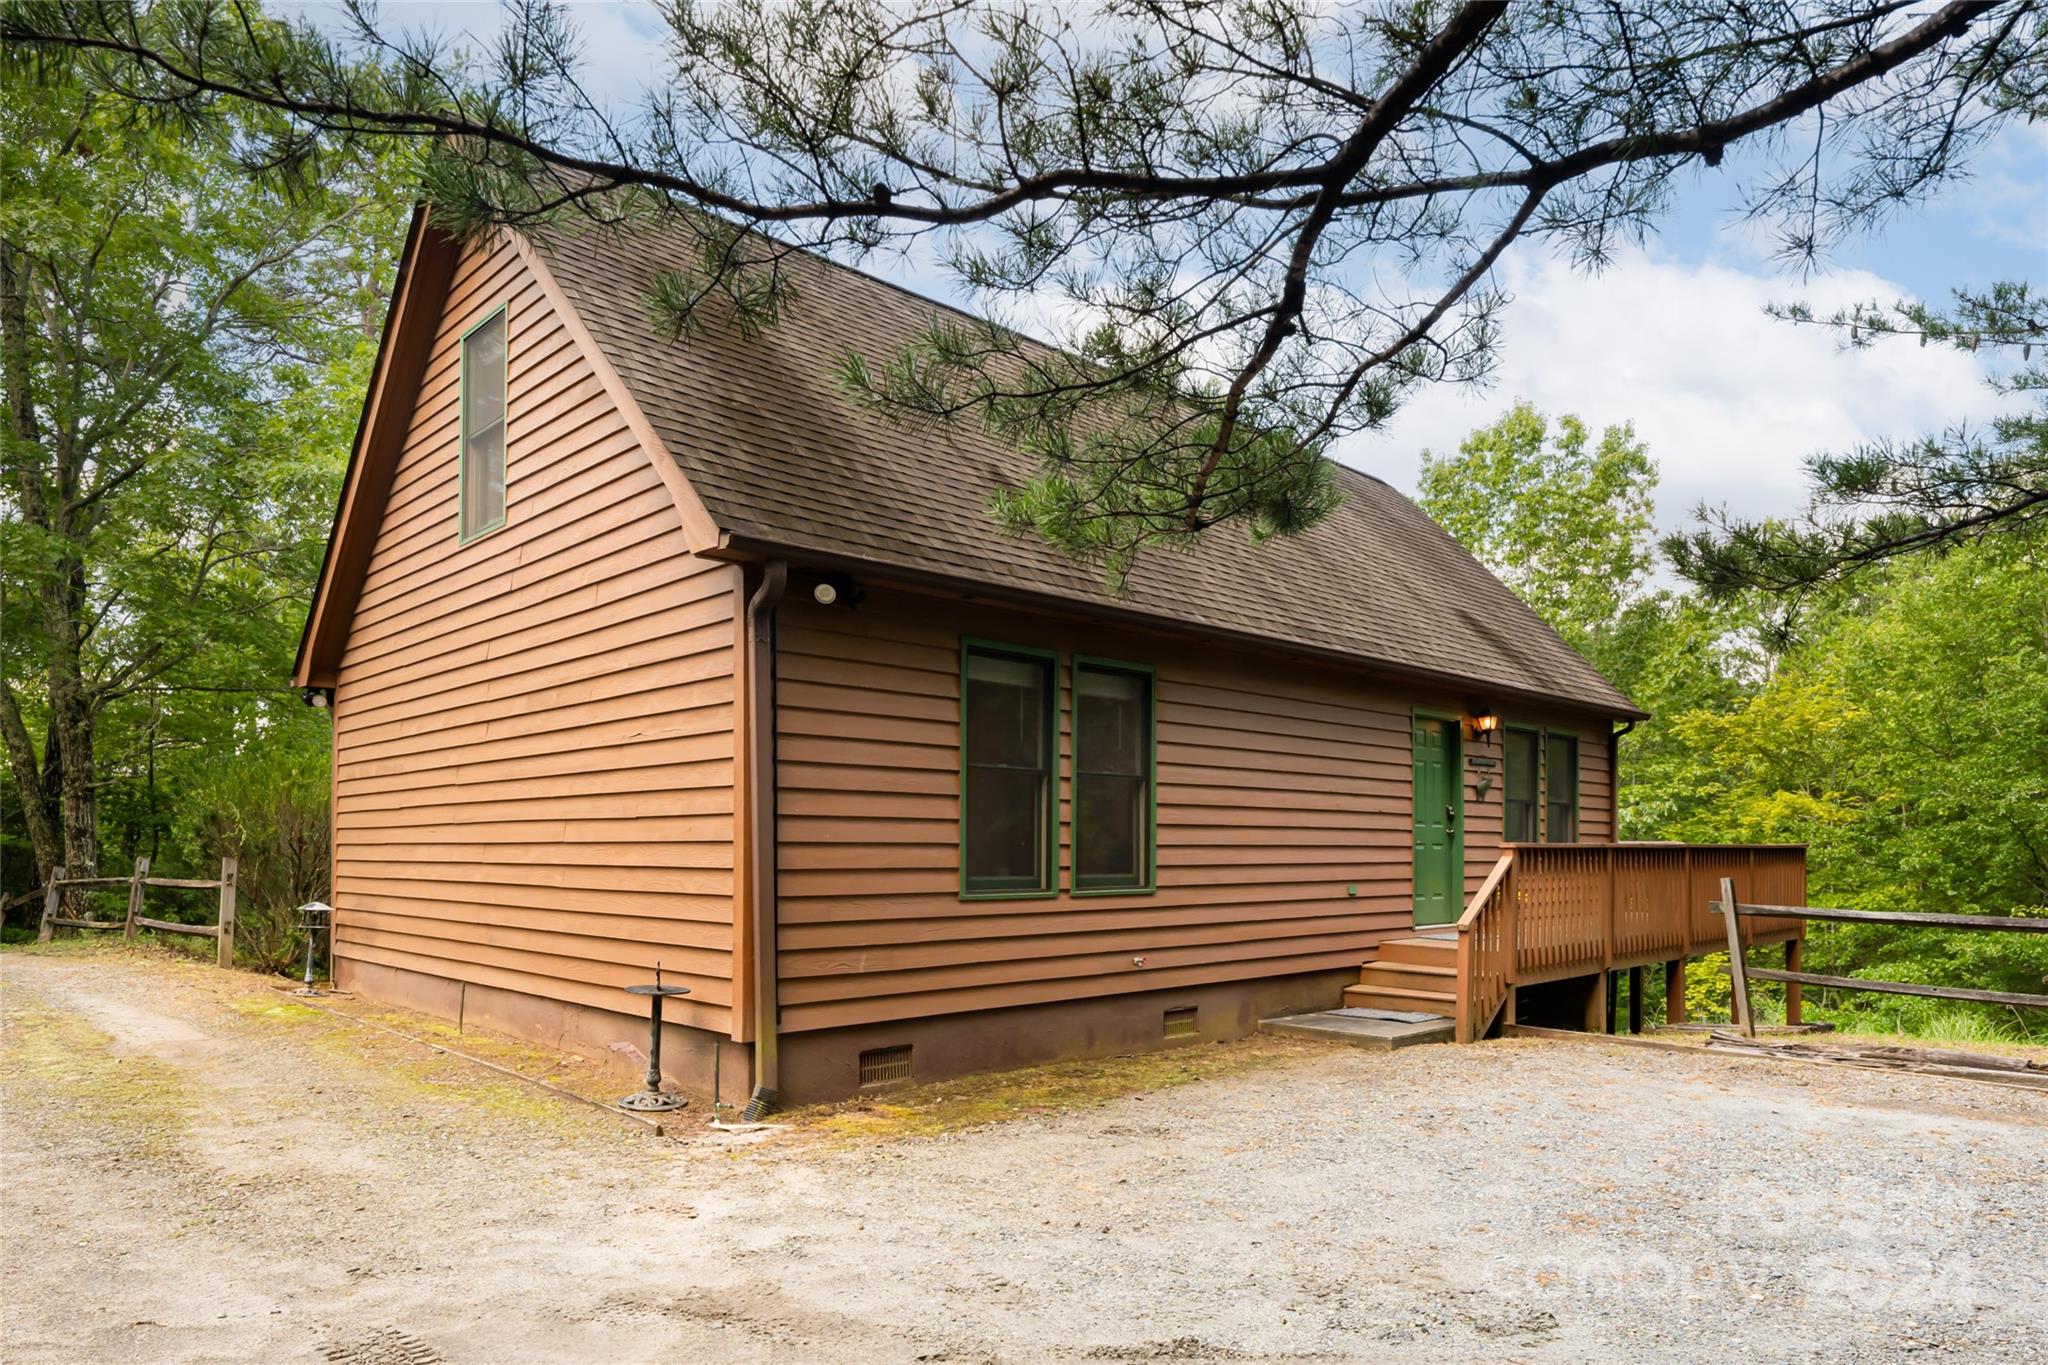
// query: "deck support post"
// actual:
[[1635, 1000], [1674, 991], [1795, 953], [1610, 983], [1596, 1004]]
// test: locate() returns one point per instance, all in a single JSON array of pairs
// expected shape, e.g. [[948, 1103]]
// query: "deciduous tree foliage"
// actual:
[[184, 350], [1252, 227], [1563, 523], [1897, 732]]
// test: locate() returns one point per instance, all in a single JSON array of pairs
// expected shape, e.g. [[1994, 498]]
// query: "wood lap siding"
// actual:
[[1596, 791], [534, 732], [1279, 787]]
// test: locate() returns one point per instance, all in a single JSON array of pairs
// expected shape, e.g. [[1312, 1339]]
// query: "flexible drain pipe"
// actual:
[[761, 833]]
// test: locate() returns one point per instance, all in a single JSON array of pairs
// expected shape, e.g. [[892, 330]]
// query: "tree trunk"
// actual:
[[28, 784], [71, 721]]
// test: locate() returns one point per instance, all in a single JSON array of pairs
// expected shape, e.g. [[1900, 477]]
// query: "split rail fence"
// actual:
[[1734, 912], [222, 933]]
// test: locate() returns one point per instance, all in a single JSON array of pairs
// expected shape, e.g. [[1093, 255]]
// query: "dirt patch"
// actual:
[[200, 1169]]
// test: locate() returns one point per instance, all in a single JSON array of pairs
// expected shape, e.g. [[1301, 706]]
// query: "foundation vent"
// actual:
[[881, 1065], [1180, 1022]]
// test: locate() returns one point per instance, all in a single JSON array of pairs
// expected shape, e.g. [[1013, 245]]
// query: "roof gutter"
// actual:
[[761, 833], [743, 548]]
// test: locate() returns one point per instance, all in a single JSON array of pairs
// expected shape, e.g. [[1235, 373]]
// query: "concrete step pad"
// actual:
[[1381, 1035]]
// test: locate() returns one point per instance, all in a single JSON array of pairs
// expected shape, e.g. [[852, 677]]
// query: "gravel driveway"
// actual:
[[196, 1170]]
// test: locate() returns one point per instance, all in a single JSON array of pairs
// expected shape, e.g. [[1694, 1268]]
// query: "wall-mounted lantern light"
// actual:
[[1481, 722]]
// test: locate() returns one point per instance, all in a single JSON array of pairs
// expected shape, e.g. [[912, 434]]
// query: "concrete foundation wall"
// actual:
[[825, 1064], [691, 1058]]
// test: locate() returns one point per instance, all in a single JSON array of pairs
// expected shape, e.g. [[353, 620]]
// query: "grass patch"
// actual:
[[275, 1011], [61, 1075], [410, 1066], [916, 1111]]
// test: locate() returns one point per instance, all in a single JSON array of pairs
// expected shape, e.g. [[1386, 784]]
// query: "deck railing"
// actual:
[[1486, 951], [1549, 911]]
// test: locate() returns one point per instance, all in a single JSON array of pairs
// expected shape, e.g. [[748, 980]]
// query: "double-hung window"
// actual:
[[1523, 785], [1113, 799], [1561, 783], [1010, 770], [482, 477]]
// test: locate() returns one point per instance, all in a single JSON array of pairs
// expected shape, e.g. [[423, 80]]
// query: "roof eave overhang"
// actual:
[[424, 270], [745, 548]]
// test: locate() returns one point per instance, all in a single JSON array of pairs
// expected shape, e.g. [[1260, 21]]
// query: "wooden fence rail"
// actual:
[[222, 933], [1734, 912]]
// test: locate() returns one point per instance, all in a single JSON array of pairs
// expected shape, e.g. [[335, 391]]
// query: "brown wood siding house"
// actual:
[[591, 713]]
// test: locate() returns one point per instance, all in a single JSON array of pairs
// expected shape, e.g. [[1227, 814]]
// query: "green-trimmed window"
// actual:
[[1009, 767], [1561, 819], [1112, 777], [1521, 786], [483, 427]]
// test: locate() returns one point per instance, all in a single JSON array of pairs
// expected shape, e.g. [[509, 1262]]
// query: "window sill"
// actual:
[[1151, 890], [1009, 895], [474, 536]]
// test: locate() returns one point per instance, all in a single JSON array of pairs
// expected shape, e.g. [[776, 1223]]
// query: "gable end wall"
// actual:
[[534, 732]]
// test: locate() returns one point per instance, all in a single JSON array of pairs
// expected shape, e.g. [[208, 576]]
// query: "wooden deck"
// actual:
[[1551, 911]]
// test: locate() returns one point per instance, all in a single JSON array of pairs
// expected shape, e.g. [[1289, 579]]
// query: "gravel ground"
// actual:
[[198, 1171]]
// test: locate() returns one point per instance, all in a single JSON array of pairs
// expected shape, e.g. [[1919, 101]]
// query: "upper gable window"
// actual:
[[483, 427]]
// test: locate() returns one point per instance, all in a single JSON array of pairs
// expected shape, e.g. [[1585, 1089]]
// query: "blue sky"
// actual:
[[1670, 337]]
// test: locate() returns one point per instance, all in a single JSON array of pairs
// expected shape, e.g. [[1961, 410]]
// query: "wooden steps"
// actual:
[[1417, 973]]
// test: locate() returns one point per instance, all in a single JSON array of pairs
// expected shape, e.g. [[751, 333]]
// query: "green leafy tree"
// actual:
[[177, 334], [1269, 223], [1563, 521], [1902, 742]]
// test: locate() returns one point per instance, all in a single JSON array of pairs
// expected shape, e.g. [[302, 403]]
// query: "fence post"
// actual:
[[134, 899], [1794, 997], [50, 905], [225, 957], [1738, 970]]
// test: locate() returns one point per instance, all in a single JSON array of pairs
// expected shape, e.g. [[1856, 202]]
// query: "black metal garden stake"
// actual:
[[652, 1098]]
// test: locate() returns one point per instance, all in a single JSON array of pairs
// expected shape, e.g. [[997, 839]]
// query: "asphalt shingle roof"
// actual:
[[780, 454]]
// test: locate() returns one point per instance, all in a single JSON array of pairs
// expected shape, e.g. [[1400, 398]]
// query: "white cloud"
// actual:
[[1729, 400]]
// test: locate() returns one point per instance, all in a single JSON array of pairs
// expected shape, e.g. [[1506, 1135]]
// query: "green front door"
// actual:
[[1438, 795]]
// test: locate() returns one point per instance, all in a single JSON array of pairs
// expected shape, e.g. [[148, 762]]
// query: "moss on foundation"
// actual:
[[998, 1097]]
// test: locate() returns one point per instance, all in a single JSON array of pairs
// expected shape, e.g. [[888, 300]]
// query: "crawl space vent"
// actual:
[[881, 1065], [1180, 1023]]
